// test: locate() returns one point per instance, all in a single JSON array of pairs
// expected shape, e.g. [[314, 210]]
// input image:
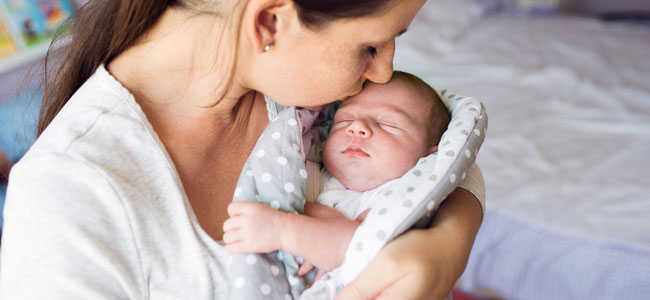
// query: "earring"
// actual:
[[268, 47]]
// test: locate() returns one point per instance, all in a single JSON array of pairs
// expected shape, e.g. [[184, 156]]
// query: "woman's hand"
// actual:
[[423, 264]]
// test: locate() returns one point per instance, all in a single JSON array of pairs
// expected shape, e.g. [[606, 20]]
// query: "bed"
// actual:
[[565, 160]]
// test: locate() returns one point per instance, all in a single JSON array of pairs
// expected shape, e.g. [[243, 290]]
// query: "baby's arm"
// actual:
[[321, 236]]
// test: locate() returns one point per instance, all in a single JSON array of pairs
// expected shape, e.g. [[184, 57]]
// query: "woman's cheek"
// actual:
[[351, 77]]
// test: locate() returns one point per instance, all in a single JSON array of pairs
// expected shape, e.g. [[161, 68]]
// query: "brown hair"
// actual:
[[102, 29], [315, 13]]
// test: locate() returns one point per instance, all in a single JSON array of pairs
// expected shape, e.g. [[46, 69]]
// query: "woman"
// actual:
[[125, 192]]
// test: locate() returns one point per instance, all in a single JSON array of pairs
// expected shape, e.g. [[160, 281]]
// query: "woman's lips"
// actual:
[[354, 151]]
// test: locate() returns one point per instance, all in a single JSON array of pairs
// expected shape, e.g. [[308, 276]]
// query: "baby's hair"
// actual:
[[439, 118]]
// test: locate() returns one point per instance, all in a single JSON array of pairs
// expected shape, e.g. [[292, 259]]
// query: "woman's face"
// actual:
[[312, 67]]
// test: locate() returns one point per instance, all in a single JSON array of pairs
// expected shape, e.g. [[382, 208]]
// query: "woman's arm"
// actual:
[[423, 264], [66, 235]]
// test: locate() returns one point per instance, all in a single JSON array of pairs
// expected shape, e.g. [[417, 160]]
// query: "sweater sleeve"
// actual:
[[474, 184], [66, 235]]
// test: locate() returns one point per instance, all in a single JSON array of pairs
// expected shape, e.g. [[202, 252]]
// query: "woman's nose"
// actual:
[[380, 68], [359, 129]]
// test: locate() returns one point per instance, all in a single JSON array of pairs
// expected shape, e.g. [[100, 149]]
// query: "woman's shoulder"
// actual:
[[63, 214], [101, 112], [102, 127], [56, 182]]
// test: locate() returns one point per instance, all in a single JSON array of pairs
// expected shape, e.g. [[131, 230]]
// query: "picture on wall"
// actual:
[[35, 21], [7, 45]]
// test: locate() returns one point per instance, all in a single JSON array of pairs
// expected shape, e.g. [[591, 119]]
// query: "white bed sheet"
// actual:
[[568, 145], [569, 104]]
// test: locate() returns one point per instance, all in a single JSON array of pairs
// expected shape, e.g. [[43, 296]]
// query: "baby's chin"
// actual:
[[362, 184]]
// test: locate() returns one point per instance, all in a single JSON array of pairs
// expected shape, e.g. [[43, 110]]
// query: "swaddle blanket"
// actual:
[[275, 174]]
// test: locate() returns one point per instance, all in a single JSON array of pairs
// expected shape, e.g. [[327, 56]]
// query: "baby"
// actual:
[[377, 136]]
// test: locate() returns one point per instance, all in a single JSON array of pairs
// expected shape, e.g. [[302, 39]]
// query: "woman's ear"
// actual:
[[268, 18]]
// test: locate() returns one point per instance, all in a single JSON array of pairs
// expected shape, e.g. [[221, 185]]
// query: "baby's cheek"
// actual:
[[403, 161], [328, 156]]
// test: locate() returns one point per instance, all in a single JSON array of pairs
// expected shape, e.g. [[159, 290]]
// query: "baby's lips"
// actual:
[[355, 150]]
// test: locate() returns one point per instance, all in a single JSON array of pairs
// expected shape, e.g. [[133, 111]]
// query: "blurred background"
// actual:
[[566, 84]]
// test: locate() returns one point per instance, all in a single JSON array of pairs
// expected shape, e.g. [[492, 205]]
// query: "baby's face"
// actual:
[[377, 135]]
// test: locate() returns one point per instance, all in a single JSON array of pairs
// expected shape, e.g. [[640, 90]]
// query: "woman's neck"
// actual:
[[182, 66], [175, 77], [177, 74]]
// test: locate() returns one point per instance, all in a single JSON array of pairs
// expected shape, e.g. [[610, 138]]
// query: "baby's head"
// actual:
[[382, 132]]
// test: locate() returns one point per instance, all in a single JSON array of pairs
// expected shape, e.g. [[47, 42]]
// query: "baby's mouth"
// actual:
[[354, 151]]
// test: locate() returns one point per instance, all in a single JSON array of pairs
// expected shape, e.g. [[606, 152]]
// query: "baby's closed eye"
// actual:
[[341, 123], [389, 126]]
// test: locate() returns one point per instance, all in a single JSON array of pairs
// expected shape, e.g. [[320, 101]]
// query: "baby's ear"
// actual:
[[433, 149]]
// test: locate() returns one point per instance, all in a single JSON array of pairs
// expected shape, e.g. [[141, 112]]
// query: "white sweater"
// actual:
[[96, 210]]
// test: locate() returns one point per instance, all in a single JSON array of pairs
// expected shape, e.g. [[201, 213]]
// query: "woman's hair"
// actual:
[[102, 29], [314, 13]]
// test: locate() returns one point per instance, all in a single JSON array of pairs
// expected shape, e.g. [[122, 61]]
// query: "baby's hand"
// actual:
[[252, 228]]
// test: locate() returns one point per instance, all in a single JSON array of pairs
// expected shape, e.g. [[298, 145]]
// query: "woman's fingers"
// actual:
[[402, 271], [375, 278], [407, 288]]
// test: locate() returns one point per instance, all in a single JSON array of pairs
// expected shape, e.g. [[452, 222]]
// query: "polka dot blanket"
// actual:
[[275, 175]]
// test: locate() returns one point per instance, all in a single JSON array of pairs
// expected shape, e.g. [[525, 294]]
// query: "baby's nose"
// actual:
[[359, 132], [359, 129]]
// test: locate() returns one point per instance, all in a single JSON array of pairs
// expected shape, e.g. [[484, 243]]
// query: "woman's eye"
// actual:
[[372, 51]]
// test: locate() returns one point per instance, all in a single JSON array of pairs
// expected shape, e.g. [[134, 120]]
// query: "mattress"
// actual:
[[565, 160]]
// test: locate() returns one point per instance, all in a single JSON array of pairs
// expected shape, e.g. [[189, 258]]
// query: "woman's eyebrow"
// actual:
[[395, 36]]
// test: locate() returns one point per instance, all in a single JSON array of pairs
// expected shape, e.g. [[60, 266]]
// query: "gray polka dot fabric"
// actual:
[[274, 174], [415, 196], [422, 189]]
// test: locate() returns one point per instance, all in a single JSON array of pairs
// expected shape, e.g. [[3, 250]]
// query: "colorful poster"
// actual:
[[36, 20], [7, 46]]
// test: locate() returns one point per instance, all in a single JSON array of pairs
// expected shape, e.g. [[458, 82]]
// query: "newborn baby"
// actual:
[[377, 136]]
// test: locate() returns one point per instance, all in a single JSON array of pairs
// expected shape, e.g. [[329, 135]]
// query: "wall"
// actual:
[[12, 81]]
